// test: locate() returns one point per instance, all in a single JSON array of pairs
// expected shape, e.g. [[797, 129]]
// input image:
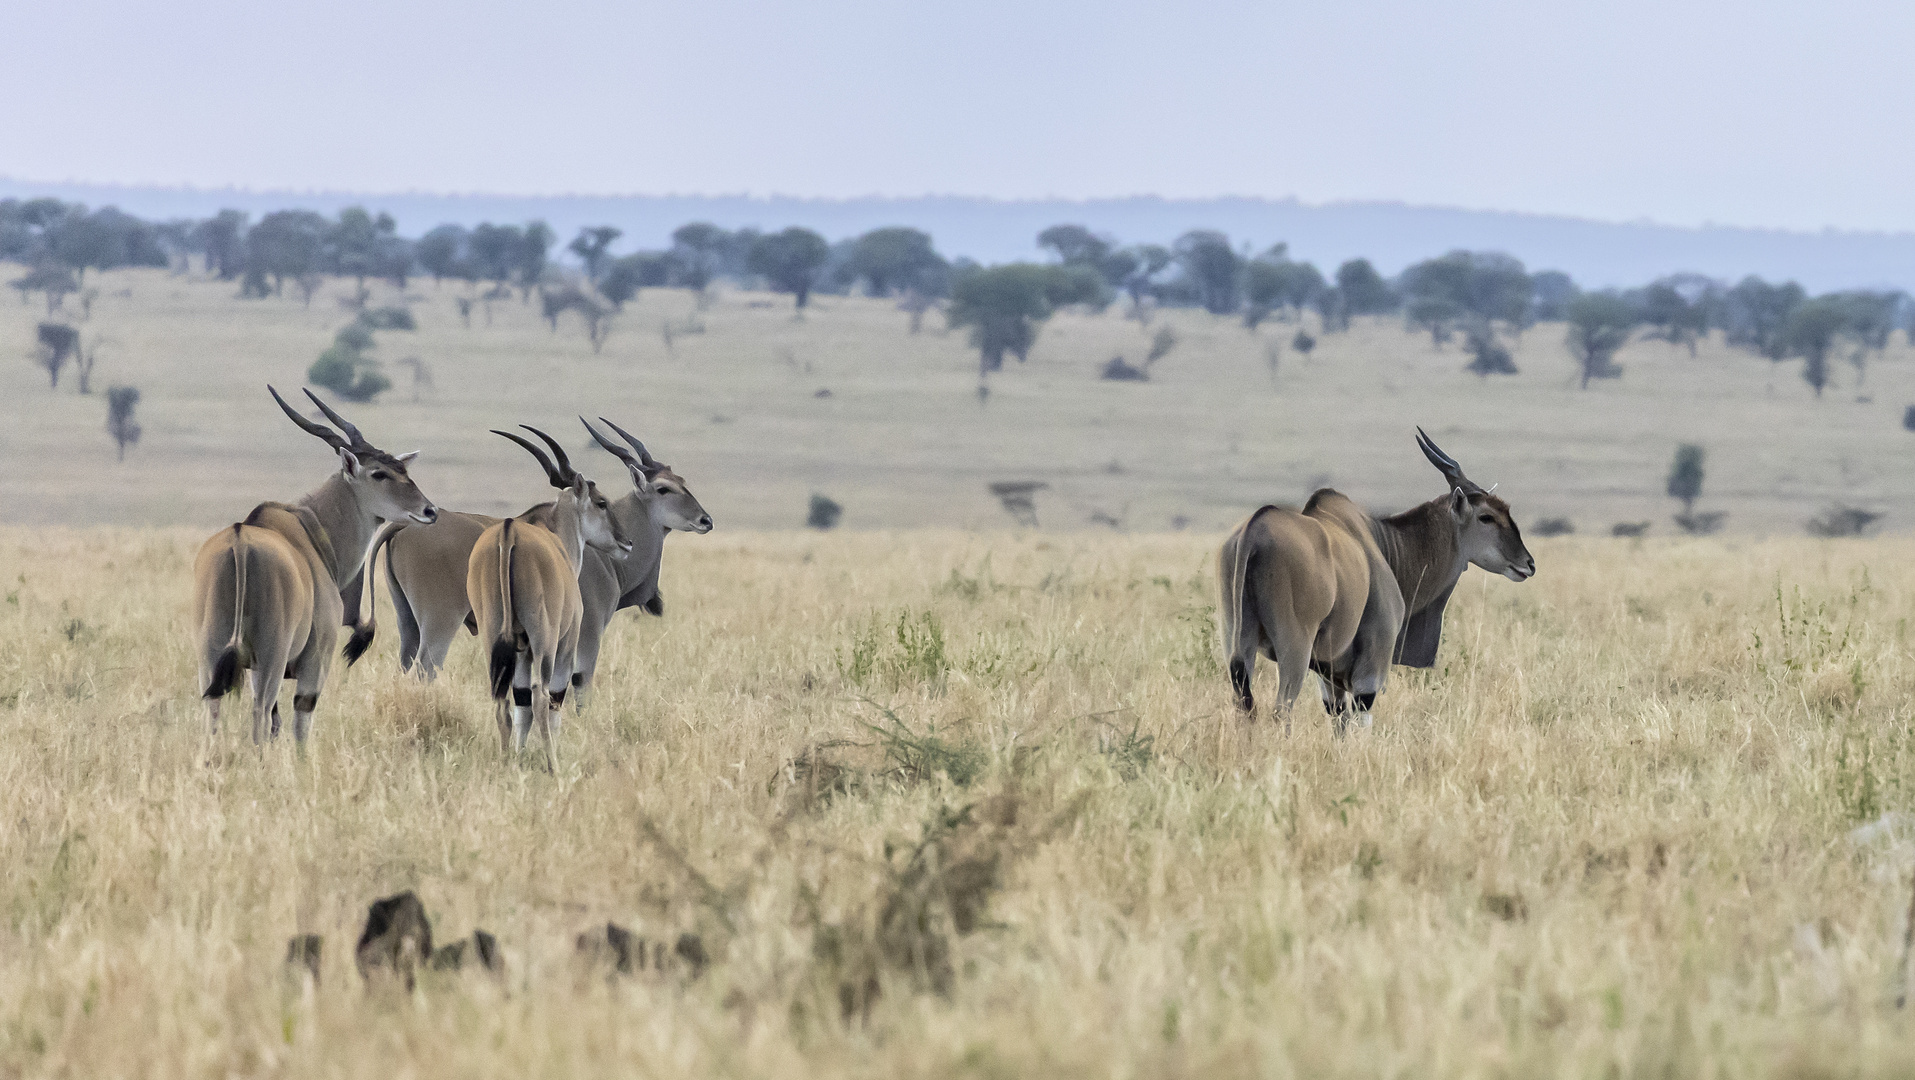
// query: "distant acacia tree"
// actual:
[[102, 240], [1676, 308], [593, 247], [1685, 475], [621, 281], [1812, 330], [366, 245], [120, 403], [1076, 245], [1149, 260], [1550, 292], [221, 240], [1299, 284], [57, 344], [442, 253], [1004, 307], [790, 261], [494, 251], [353, 243], [1262, 291], [1868, 320], [1488, 355], [1599, 326], [1486, 284], [1364, 290], [1756, 315], [895, 259], [1213, 268], [287, 244], [699, 250], [529, 260]]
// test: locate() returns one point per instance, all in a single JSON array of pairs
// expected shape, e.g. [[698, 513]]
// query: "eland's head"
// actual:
[[1486, 534], [598, 526], [379, 480], [669, 502]]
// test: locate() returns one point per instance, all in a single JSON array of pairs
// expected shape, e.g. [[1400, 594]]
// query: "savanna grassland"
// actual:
[[946, 804], [733, 401], [942, 799]]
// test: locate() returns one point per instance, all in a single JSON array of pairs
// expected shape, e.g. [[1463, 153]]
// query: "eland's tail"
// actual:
[[368, 625], [505, 650], [226, 665]]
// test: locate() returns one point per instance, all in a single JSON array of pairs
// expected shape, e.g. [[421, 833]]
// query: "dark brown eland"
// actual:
[[425, 567], [522, 583], [266, 589], [1334, 591]]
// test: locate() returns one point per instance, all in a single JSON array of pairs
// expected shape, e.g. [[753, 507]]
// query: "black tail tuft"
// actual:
[[225, 673], [358, 643], [505, 659], [1240, 682]]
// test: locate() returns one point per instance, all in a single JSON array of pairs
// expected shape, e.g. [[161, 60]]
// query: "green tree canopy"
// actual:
[[895, 259], [1212, 267], [1364, 290], [222, 239], [593, 247], [443, 254], [790, 260], [1811, 332], [287, 243], [1756, 315], [1005, 305], [1599, 325]]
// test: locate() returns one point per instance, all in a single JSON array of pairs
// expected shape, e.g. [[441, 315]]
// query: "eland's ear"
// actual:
[[1459, 504], [348, 462], [407, 458], [639, 480]]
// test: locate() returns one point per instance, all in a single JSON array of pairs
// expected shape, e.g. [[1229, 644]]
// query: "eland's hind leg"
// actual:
[[1288, 644], [1243, 660], [1293, 666], [265, 680], [557, 676], [521, 699]]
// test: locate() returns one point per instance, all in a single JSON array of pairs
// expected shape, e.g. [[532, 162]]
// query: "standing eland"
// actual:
[[425, 568], [1334, 591], [266, 590], [522, 583]]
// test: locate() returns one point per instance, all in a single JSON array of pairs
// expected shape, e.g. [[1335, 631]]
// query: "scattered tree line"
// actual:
[[1487, 299]]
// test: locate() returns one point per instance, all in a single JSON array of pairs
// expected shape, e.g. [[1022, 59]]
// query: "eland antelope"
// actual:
[[522, 583], [1334, 591], [425, 569], [266, 589]]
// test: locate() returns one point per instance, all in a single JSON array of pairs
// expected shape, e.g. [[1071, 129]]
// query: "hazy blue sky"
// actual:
[[1754, 112]]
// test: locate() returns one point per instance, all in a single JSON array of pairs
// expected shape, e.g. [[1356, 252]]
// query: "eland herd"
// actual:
[[1328, 590]]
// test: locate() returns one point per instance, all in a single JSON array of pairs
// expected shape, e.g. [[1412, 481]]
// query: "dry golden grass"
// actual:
[[1613, 835], [902, 441]]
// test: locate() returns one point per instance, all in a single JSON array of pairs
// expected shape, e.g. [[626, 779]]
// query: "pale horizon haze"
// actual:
[[1756, 114]]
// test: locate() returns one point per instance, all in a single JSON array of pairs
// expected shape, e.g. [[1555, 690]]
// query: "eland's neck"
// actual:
[[1420, 546], [348, 522], [568, 526], [634, 513]]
